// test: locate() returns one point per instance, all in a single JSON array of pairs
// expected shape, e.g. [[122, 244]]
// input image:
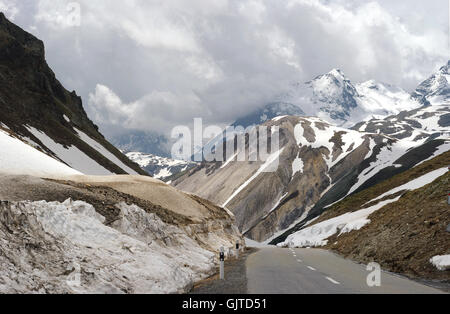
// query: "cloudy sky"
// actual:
[[154, 64]]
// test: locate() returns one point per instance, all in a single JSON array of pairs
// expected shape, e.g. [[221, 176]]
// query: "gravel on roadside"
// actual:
[[235, 278]]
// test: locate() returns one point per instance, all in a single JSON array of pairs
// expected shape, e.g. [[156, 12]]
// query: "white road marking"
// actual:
[[300, 261], [333, 281], [312, 268]]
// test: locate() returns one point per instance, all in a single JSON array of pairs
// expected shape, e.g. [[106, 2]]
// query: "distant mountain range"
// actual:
[[368, 107], [321, 163], [435, 90], [335, 99], [144, 142], [331, 97], [159, 167]]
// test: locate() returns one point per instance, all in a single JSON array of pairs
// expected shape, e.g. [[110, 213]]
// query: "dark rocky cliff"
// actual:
[[30, 95]]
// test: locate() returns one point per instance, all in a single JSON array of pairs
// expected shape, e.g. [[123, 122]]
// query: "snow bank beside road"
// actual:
[[139, 253], [316, 235], [415, 184], [441, 262]]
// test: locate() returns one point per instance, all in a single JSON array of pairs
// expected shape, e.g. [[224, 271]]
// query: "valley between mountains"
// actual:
[[362, 172]]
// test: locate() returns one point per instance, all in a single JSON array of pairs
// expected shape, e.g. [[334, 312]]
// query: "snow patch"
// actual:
[[103, 151], [441, 262], [276, 205], [71, 155], [316, 235], [415, 184], [387, 157], [264, 168], [276, 119], [229, 161], [297, 166], [16, 157]]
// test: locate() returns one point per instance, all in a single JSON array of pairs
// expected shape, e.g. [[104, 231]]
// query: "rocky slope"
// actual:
[[314, 156], [144, 142], [400, 223], [319, 165], [36, 108]]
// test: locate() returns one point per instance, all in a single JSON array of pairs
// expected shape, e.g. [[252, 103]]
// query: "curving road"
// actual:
[[311, 271]]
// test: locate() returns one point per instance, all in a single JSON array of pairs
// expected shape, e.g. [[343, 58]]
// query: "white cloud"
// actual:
[[152, 64], [59, 14], [9, 9], [156, 111], [253, 10]]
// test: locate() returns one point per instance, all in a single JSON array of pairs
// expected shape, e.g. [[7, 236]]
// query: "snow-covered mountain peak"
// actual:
[[435, 89], [331, 83], [446, 68], [331, 96], [160, 167], [334, 98], [373, 84], [381, 99], [338, 74], [429, 120]]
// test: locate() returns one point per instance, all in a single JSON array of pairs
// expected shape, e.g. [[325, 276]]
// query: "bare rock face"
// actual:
[[32, 97]]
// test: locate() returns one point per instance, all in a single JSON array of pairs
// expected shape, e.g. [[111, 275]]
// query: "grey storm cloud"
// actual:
[[151, 65]]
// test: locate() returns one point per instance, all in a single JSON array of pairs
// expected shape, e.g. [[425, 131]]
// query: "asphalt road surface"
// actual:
[[312, 271]]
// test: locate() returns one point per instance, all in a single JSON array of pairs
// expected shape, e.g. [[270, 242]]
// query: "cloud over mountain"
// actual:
[[151, 65]]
